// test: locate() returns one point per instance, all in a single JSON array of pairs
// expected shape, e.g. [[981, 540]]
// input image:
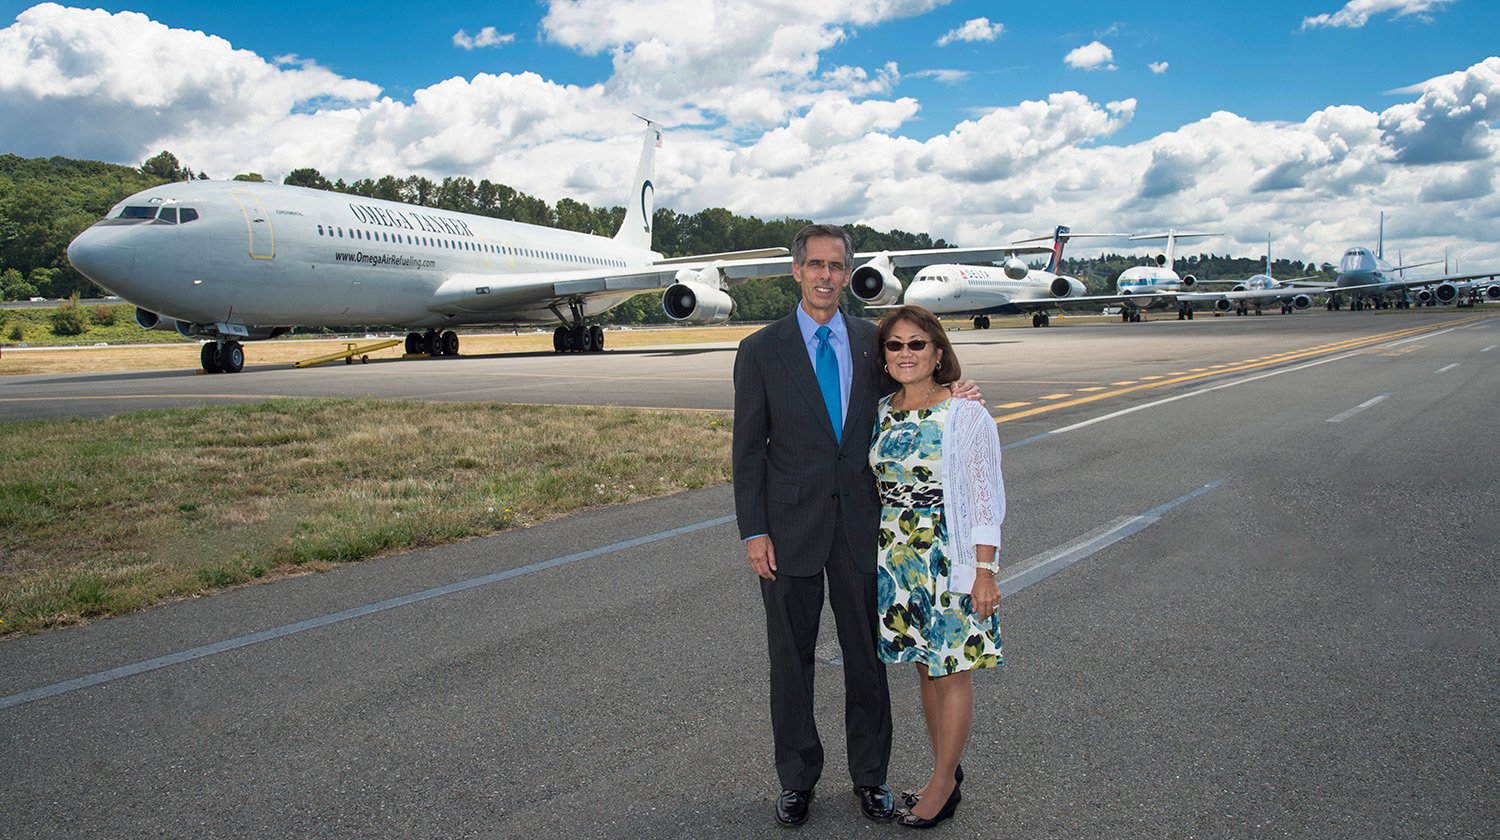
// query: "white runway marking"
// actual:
[[338, 617], [1042, 566], [1345, 415], [1449, 367]]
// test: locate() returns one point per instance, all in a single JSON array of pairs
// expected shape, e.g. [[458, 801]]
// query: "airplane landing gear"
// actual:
[[578, 338], [1040, 319], [222, 357], [432, 343], [982, 322]]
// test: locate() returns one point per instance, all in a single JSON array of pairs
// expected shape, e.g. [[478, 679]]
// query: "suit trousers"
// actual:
[[794, 607]]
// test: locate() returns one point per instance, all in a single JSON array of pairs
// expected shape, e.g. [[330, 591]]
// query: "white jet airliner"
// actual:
[[1156, 286], [233, 261], [1369, 280], [1012, 289], [1261, 290]]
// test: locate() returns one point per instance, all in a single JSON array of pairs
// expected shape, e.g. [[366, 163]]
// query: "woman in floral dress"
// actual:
[[937, 463]]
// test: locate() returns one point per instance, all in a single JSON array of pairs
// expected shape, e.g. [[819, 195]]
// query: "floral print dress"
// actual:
[[920, 619]]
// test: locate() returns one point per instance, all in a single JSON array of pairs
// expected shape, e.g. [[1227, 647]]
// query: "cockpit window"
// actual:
[[187, 214], [168, 215], [138, 213]]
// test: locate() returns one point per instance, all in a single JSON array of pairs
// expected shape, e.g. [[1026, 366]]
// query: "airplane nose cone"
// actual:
[[923, 295], [95, 258]]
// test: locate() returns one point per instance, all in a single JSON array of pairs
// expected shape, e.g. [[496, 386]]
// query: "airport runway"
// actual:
[[1252, 593]]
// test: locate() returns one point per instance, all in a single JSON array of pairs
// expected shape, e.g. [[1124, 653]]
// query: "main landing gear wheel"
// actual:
[[1040, 319], [596, 337], [450, 343], [222, 357]]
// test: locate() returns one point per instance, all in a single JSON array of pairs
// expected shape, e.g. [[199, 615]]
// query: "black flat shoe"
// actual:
[[910, 820], [791, 806], [876, 801], [911, 797]]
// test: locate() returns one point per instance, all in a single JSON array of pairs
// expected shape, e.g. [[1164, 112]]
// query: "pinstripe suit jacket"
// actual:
[[792, 477]]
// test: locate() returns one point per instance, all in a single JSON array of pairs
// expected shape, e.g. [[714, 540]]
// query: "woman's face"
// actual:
[[907, 365]]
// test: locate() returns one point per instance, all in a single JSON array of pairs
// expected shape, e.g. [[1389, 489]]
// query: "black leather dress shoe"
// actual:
[[877, 802], [791, 806]]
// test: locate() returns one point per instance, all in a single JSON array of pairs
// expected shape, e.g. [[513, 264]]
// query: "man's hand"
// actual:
[[966, 390], [762, 556]]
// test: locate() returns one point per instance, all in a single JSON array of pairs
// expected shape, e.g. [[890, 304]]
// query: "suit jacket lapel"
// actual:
[[804, 380], [859, 385]]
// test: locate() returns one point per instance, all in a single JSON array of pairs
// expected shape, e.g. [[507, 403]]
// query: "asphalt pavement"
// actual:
[[1251, 593]]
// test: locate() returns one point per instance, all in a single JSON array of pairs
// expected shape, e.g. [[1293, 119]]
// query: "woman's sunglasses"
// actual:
[[917, 345]]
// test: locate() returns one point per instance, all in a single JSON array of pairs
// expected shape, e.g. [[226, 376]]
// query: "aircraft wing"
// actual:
[[481, 293], [1253, 296], [933, 256]]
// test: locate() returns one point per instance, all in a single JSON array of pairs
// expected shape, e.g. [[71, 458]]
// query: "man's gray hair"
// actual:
[[799, 244]]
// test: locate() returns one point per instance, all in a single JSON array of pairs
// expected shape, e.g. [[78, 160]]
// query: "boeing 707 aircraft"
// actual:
[[233, 261]]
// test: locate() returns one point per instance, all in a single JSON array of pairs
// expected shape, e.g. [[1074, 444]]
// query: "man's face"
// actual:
[[823, 275]]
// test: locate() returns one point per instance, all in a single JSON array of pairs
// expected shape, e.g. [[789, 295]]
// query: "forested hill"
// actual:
[[45, 202]]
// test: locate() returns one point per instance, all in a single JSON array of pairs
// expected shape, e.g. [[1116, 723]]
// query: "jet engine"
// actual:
[[1446, 292], [1492, 293], [875, 282], [1300, 301], [1063, 287], [1016, 269], [1223, 304], [1189, 281], [691, 302], [148, 320], [187, 329], [1424, 297]]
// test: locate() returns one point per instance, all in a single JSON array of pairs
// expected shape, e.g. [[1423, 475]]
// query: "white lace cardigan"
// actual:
[[973, 490]]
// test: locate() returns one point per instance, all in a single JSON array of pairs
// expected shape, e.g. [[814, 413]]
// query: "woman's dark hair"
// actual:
[[948, 368]]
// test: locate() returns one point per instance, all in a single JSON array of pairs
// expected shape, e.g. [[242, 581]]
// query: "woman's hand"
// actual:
[[985, 595]]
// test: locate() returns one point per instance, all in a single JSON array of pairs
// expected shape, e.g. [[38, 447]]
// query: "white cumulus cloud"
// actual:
[[1158, 67], [759, 122], [487, 37], [978, 29], [1091, 56]]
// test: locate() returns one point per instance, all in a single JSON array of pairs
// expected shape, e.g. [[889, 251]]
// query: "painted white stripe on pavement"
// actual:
[[1345, 415]]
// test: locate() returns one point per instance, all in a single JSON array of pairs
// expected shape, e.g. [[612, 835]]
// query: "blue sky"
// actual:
[[865, 113]]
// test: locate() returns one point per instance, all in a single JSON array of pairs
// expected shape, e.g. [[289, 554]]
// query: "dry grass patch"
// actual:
[[18, 361], [101, 517]]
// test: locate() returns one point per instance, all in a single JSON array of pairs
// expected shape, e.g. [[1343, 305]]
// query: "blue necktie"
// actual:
[[828, 382]]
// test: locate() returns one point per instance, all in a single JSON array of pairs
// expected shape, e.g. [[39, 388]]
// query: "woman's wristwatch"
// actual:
[[992, 568]]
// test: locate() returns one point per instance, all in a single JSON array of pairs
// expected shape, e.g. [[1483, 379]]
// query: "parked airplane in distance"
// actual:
[[233, 261], [1011, 289], [1369, 280], [1156, 286], [1260, 290]]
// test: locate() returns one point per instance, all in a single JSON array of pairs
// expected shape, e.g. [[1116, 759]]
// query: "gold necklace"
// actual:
[[910, 407]]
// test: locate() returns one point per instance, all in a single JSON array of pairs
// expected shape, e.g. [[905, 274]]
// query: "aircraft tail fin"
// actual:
[[1059, 238], [635, 230]]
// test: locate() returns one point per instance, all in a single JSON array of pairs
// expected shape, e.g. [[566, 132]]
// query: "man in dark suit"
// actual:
[[805, 393]]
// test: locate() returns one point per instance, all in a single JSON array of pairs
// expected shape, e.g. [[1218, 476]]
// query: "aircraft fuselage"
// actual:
[[253, 255]]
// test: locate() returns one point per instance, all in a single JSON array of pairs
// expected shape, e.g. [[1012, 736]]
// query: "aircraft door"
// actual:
[[258, 221]]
